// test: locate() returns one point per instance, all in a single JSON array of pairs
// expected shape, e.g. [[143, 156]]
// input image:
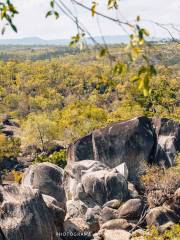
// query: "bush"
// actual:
[[171, 234], [58, 158], [9, 147], [160, 184]]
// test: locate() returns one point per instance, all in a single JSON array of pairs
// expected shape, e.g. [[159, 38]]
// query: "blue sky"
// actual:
[[32, 22]]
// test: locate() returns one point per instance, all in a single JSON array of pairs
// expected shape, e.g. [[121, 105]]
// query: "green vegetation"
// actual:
[[62, 99], [58, 158], [171, 234]]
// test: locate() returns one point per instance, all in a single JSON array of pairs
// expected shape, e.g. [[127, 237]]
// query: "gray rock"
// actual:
[[47, 178], [168, 140], [118, 224], [116, 186], [123, 170], [130, 142], [24, 215], [94, 186], [116, 234], [76, 228], [107, 214], [56, 209], [93, 181], [131, 210], [160, 215], [115, 204], [73, 175], [92, 218], [76, 209], [133, 193]]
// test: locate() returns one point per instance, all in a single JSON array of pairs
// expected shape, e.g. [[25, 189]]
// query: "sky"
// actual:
[[31, 21]]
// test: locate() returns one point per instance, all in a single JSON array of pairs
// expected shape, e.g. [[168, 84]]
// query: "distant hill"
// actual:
[[40, 41]]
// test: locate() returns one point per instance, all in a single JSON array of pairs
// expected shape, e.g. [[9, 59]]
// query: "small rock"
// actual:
[[107, 214], [133, 193], [115, 204], [132, 209], [123, 170], [76, 228], [116, 235], [118, 224]]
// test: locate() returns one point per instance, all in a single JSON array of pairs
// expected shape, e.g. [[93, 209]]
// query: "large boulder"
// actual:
[[161, 215], [131, 142], [93, 181], [74, 173], [47, 178], [168, 140], [24, 215], [132, 209]]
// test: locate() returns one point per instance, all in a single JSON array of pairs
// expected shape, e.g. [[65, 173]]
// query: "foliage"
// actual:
[[65, 98], [17, 176], [58, 158], [160, 183], [152, 233], [9, 147]]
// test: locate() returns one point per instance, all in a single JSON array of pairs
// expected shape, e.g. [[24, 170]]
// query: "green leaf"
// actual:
[[93, 8], [49, 13], [56, 14], [103, 52], [52, 3], [138, 18]]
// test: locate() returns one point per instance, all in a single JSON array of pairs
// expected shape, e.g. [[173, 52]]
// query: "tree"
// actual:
[[137, 36]]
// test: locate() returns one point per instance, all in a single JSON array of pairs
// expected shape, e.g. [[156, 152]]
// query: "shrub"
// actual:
[[17, 176], [58, 158], [171, 234], [160, 184], [9, 147]]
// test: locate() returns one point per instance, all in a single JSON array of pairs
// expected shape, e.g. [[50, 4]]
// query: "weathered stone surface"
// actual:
[[116, 186], [73, 174], [107, 214], [160, 215], [56, 209], [132, 209], [94, 186], [92, 218], [133, 193], [93, 181], [115, 204], [47, 178], [76, 209], [168, 140], [76, 228], [116, 234], [24, 215], [130, 142], [118, 224], [123, 170]]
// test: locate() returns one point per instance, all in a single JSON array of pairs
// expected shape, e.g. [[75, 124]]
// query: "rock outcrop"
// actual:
[[24, 215], [133, 142], [130, 142], [93, 181], [47, 178]]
